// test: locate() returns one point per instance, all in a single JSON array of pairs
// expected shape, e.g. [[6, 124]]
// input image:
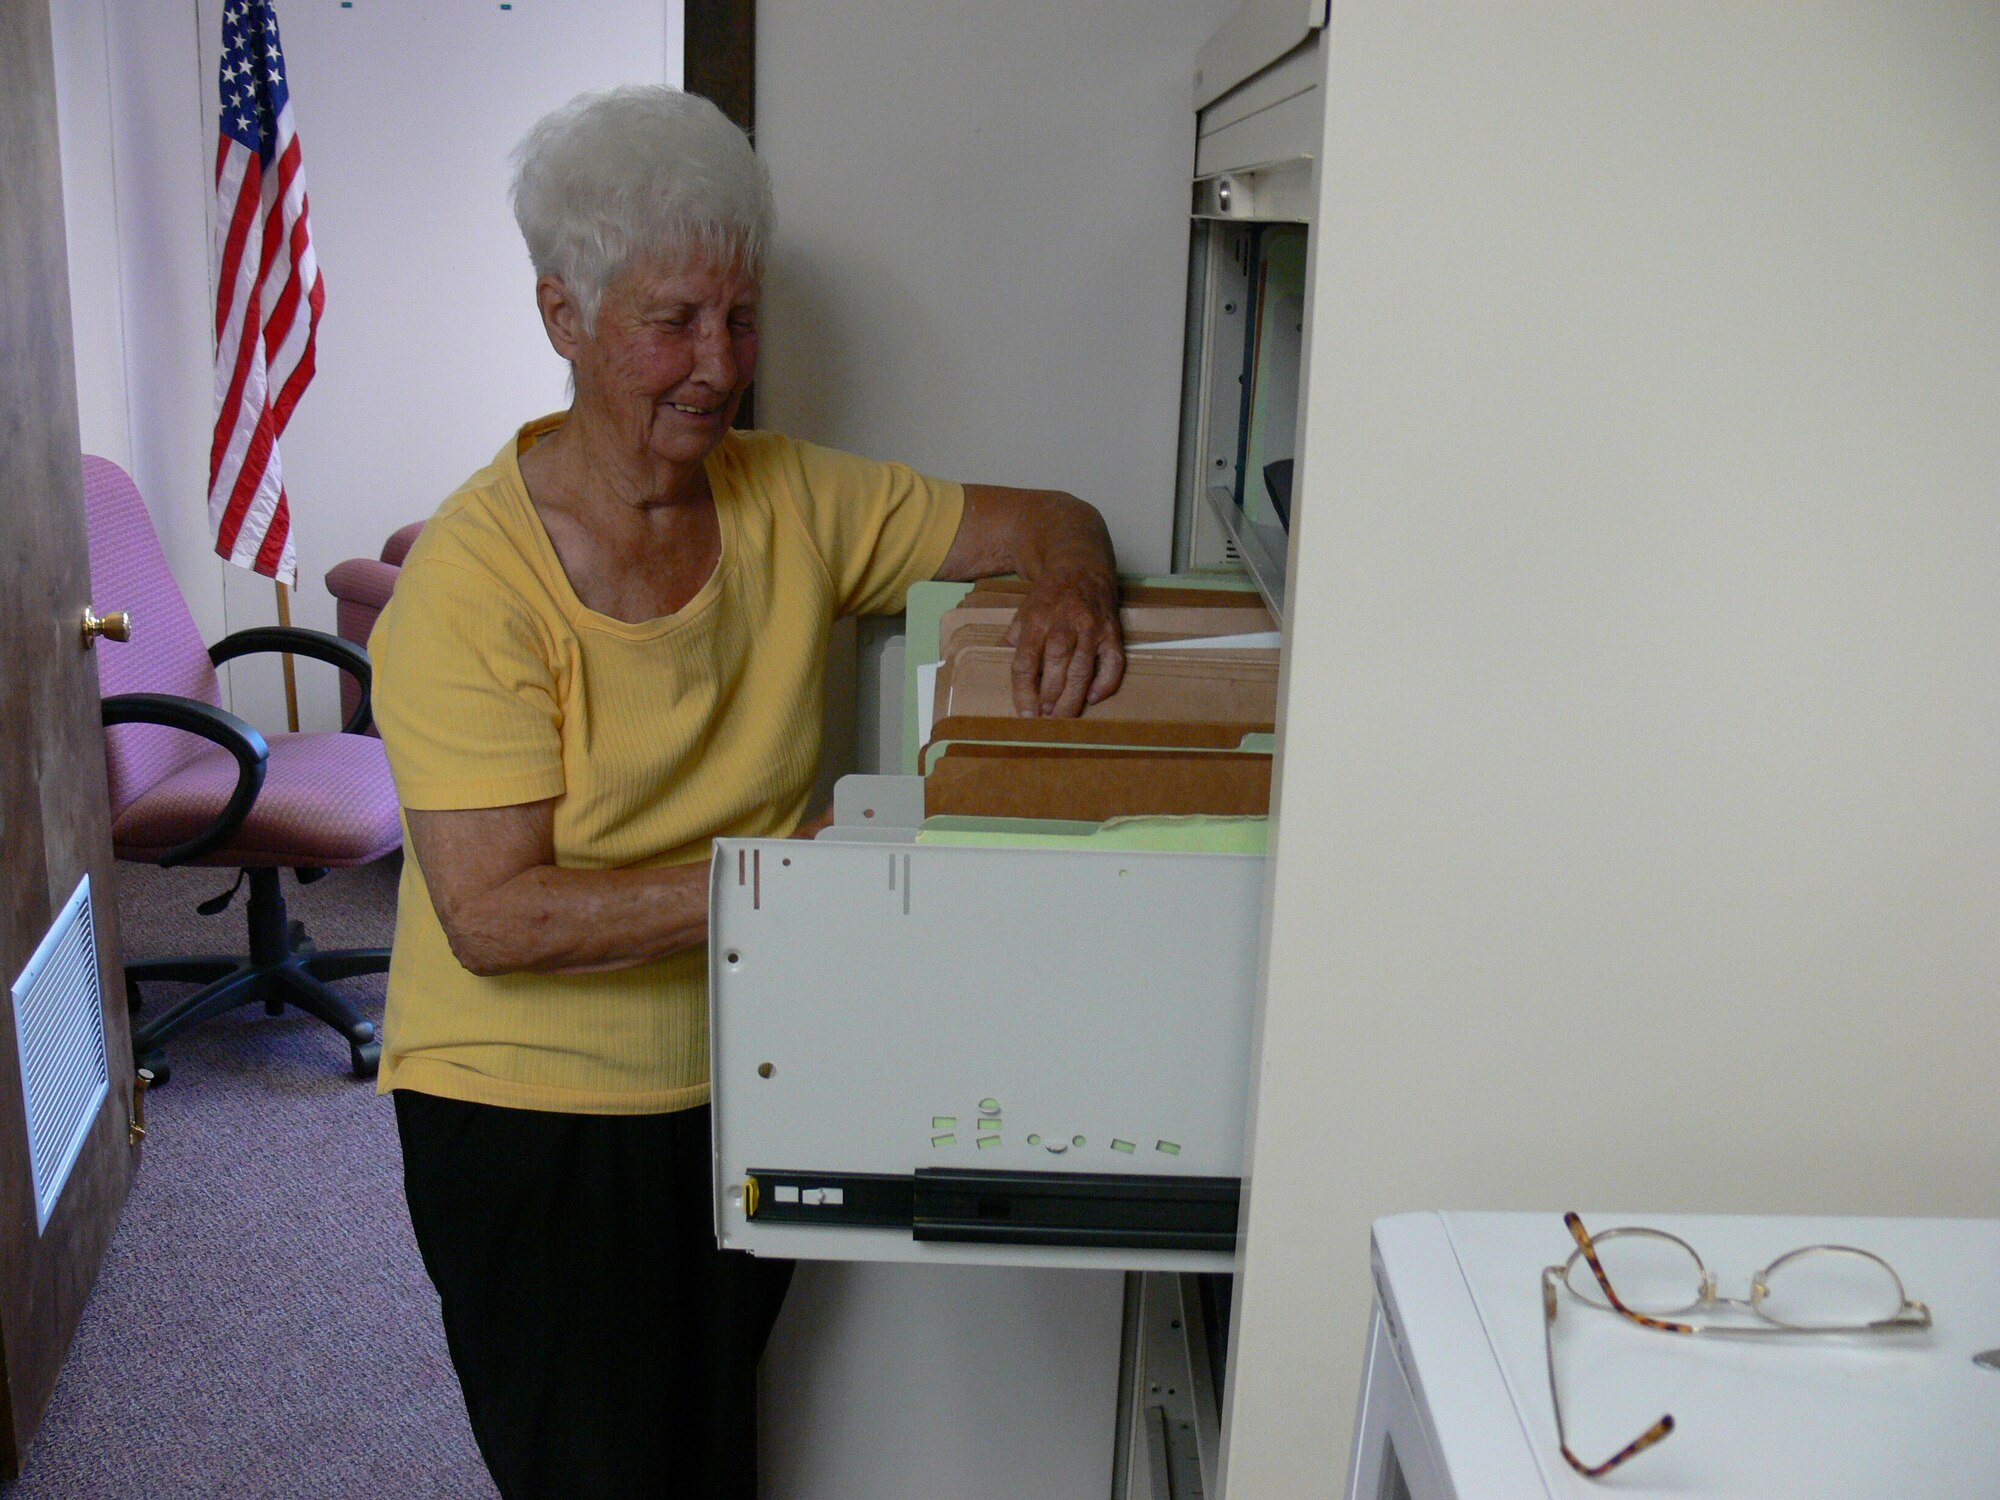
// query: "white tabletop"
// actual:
[[1868, 1416]]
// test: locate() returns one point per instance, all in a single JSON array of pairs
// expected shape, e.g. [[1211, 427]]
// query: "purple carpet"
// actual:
[[262, 1326]]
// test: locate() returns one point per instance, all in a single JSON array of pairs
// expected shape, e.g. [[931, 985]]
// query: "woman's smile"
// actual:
[[701, 413]]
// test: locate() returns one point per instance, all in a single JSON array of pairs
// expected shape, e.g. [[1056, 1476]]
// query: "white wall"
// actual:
[[429, 353], [1639, 831], [90, 209], [982, 263], [134, 165]]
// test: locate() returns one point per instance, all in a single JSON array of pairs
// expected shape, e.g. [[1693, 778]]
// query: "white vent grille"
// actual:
[[59, 1021]]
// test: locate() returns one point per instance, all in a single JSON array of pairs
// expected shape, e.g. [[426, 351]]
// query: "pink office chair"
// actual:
[[360, 587], [302, 802]]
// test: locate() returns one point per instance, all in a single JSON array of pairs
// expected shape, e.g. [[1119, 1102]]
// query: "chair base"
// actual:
[[282, 968]]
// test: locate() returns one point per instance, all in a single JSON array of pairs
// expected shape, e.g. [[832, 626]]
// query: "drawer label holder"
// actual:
[[1127, 1211]]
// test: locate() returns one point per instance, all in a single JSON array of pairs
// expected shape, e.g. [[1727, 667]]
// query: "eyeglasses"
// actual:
[[1659, 1279]]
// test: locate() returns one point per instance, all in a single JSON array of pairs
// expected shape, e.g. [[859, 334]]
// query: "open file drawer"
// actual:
[[1008, 1056]]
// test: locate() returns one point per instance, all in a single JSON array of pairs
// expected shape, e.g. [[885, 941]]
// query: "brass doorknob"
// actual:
[[116, 626]]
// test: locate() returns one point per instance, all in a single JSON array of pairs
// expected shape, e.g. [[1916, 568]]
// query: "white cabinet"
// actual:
[[1456, 1399]]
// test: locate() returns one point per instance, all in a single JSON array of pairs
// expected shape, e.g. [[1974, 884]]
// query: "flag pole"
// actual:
[[291, 679]]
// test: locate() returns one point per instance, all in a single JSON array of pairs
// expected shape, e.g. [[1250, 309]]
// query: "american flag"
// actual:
[[268, 295]]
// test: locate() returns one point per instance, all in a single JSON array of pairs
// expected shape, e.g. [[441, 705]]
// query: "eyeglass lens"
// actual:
[[1822, 1286], [1830, 1287], [1653, 1273]]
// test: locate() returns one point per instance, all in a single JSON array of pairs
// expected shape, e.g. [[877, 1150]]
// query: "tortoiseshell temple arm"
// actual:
[[1638, 1445], [1583, 1242]]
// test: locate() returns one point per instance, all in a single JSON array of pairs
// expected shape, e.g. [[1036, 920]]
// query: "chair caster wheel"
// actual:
[[367, 1058], [155, 1062]]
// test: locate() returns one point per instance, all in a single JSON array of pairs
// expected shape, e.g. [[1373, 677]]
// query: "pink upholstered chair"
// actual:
[[360, 587], [193, 784]]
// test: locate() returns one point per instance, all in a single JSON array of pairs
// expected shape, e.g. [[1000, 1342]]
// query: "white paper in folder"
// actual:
[[927, 676], [1262, 640]]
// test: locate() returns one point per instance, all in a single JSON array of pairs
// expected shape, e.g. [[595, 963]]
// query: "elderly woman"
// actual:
[[605, 651]]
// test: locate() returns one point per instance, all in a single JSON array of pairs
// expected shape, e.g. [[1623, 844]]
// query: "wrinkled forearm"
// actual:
[[550, 920], [1064, 539]]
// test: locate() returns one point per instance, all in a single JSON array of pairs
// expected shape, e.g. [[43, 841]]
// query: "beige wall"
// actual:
[[1639, 832], [983, 228]]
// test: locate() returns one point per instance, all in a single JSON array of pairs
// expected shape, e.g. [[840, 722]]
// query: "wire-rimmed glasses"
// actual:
[[1657, 1280]]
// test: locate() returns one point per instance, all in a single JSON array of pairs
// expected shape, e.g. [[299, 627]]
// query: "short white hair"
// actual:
[[633, 173]]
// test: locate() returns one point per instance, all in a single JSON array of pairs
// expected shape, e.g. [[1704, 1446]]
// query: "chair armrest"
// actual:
[[400, 541], [362, 580], [237, 736], [317, 644]]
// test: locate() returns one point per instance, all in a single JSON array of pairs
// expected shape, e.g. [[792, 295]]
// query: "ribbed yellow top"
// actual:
[[494, 685]]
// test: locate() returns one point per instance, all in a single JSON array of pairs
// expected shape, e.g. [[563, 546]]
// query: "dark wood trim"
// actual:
[[720, 53], [721, 57]]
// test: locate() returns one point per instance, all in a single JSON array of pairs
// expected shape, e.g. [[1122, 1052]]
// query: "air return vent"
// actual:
[[59, 1021]]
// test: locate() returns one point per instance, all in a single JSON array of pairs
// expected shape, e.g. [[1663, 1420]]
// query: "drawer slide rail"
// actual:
[[1132, 1211]]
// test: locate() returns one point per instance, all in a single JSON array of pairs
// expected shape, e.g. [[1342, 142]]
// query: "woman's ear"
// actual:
[[562, 319]]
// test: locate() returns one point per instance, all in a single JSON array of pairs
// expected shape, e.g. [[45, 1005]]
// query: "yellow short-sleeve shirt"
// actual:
[[495, 685]]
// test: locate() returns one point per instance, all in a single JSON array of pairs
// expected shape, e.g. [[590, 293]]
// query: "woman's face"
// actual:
[[674, 351]]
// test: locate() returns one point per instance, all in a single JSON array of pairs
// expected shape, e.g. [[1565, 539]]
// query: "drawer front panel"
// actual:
[[882, 1009]]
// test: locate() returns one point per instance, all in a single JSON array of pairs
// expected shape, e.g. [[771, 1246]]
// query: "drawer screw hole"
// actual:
[[733, 956], [765, 1070]]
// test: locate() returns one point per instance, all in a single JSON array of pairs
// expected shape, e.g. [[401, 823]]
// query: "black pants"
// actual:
[[604, 1345]]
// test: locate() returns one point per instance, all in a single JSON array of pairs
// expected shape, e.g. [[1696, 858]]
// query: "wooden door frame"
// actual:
[[55, 821]]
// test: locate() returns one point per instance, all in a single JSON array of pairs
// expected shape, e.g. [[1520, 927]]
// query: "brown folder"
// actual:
[[1171, 736], [1003, 591], [1139, 623], [1170, 686], [1091, 786], [1117, 734]]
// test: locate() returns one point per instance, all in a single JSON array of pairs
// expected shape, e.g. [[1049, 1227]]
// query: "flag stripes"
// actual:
[[269, 296]]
